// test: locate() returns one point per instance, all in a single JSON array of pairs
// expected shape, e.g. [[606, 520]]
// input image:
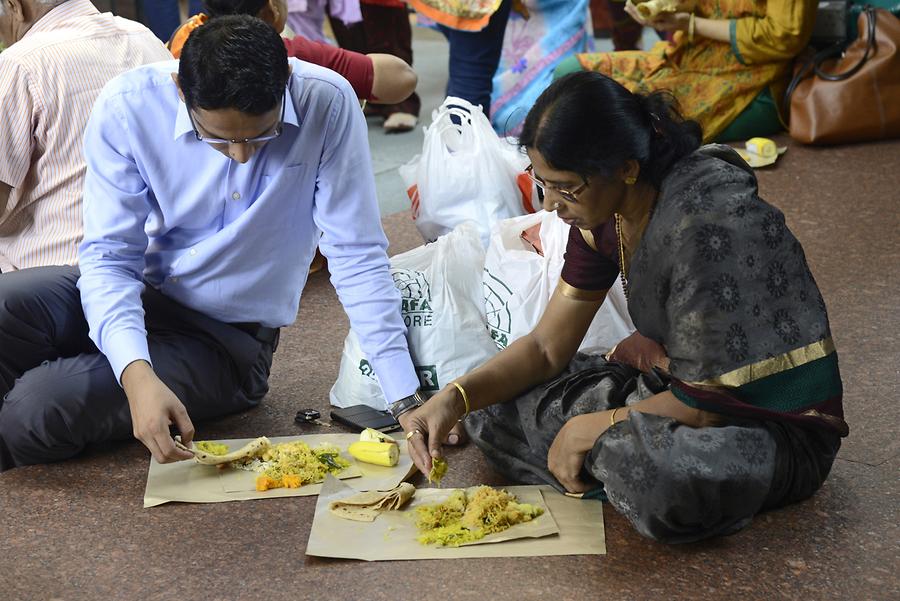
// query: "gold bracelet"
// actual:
[[691, 29], [612, 418], [465, 397]]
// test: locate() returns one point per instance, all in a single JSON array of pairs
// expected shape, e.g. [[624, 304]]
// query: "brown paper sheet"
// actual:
[[575, 528], [190, 482]]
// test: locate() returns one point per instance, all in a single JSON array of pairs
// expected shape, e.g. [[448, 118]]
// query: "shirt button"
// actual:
[[236, 196], [173, 280], [193, 251]]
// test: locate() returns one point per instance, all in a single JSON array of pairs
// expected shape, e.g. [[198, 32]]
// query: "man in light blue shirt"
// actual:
[[205, 197]]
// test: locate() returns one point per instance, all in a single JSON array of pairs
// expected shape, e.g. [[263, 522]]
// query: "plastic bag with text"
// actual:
[[443, 308], [518, 284]]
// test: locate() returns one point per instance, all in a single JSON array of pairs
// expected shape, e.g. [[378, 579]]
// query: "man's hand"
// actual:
[[641, 353], [153, 409], [572, 443]]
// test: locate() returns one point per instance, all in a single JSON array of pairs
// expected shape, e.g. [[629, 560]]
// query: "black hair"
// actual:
[[220, 8], [236, 62], [589, 124]]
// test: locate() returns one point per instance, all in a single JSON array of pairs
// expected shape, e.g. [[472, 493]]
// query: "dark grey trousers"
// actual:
[[58, 391], [674, 483]]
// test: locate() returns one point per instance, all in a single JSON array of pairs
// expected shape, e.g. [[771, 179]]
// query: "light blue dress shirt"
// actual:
[[233, 241]]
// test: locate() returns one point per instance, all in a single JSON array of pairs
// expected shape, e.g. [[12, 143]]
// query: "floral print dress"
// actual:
[[715, 81]]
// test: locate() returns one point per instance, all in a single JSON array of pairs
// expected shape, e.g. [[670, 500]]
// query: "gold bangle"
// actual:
[[691, 29], [612, 418], [465, 397]]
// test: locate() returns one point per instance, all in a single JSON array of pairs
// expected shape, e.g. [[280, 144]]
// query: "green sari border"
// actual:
[[790, 391], [768, 367]]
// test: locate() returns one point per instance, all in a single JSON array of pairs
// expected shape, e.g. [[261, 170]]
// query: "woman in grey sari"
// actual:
[[726, 401]]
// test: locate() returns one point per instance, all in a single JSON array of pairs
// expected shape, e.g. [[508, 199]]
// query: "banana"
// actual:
[[376, 453], [371, 435]]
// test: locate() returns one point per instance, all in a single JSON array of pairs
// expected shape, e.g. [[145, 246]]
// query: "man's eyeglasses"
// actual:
[[257, 140], [567, 195]]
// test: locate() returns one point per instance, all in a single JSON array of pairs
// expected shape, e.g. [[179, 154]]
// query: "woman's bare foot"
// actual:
[[400, 122]]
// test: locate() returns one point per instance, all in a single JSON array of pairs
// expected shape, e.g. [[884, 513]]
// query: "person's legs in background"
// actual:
[[384, 30], [163, 17], [474, 57], [626, 32]]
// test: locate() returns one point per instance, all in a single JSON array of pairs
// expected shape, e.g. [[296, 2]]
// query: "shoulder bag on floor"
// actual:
[[853, 97]]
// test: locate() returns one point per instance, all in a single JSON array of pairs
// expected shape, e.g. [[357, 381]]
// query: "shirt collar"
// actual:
[[58, 16], [183, 122]]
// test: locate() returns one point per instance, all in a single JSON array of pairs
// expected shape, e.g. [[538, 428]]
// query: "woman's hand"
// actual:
[[427, 426], [641, 353], [572, 443], [678, 21]]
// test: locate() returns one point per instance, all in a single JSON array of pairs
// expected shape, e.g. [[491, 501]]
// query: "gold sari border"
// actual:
[[768, 367], [588, 236], [574, 293]]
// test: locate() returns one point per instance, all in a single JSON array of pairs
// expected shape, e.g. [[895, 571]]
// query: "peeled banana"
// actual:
[[372, 435], [376, 453]]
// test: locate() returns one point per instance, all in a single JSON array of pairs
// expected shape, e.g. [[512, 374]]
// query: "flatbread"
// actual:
[[365, 506], [251, 449]]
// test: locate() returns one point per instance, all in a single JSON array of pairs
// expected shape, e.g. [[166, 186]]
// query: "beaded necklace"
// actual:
[[621, 255]]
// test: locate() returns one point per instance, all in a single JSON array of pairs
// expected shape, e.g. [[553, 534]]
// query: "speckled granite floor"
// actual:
[[76, 530]]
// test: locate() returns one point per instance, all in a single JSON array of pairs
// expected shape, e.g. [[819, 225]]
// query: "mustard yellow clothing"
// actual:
[[715, 81]]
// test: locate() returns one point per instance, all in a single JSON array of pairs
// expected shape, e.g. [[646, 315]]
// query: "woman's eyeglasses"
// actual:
[[567, 195]]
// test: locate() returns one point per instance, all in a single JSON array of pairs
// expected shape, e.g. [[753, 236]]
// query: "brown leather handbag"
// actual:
[[854, 97]]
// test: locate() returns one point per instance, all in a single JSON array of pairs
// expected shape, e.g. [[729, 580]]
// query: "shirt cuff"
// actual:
[[397, 376], [732, 35], [125, 347]]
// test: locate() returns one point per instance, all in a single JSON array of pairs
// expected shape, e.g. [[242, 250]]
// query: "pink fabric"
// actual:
[[306, 17], [49, 81]]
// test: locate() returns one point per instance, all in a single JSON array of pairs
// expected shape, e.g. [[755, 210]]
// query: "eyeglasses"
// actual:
[[257, 140], [567, 195]]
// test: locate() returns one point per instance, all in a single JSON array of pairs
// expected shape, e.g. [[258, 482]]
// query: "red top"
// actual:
[[354, 67], [592, 266]]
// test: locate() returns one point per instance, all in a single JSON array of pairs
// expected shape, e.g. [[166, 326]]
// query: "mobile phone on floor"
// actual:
[[360, 417]]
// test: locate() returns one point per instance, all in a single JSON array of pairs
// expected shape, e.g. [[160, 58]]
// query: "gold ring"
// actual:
[[411, 434]]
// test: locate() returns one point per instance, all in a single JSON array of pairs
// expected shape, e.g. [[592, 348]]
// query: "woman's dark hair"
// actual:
[[220, 8], [234, 62], [588, 123]]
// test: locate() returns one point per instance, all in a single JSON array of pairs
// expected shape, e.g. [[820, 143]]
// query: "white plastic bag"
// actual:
[[443, 308], [465, 173], [518, 284]]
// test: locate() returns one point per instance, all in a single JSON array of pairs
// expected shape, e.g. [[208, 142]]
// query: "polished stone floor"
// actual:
[[76, 530]]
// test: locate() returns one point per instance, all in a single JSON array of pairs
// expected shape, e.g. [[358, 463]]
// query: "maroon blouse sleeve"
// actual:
[[590, 268], [354, 67]]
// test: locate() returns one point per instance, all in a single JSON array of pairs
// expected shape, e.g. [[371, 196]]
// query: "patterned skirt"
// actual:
[[673, 482]]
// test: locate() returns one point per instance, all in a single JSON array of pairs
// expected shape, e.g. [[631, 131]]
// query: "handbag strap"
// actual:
[[871, 17], [814, 64]]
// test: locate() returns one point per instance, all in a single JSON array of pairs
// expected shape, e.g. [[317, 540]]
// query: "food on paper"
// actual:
[[249, 450], [438, 469], [366, 506], [213, 448], [463, 519], [264, 483], [294, 460]]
